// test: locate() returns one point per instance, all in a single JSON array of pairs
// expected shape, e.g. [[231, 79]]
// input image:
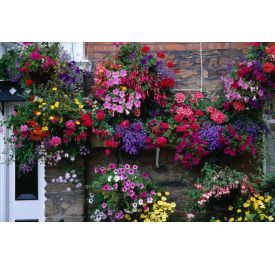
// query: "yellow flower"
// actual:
[[245, 205], [44, 103], [230, 208], [262, 216], [239, 211], [54, 88], [261, 198], [40, 106], [173, 204], [247, 213], [218, 220], [77, 122], [52, 106], [159, 194], [38, 113], [81, 106], [231, 219], [56, 104], [163, 198], [124, 88], [240, 219], [40, 100], [270, 218], [45, 128], [51, 118], [167, 193]]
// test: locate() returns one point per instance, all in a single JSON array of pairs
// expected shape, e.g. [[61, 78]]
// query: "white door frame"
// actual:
[[10, 209]]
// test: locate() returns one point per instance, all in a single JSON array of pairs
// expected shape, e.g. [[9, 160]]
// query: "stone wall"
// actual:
[[61, 205]]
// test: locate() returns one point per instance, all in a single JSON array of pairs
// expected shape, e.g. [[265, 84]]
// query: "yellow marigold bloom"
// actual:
[[252, 199], [81, 106], [124, 88], [77, 122], [167, 193], [247, 213], [56, 104], [218, 220], [159, 194], [163, 198], [245, 205], [44, 103], [159, 202], [230, 208], [261, 198], [269, 197], [40, 106], [262, 216], [40, 100], [239, 211], [52, 106], [45, 128], [240, 219], [54, 88], [270, 218], [231, 219], [38, 113], [51, 118], [267, 201]]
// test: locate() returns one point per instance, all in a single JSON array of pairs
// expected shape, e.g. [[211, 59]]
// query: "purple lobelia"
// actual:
[[133, 137], [210, 133]]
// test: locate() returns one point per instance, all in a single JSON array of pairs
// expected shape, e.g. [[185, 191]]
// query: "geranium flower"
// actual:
[[180, 97], [161, 55], [55, 141], [145, 49]]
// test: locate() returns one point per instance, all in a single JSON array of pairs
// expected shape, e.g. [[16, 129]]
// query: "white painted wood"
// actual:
[[25, 209], [3, 175]]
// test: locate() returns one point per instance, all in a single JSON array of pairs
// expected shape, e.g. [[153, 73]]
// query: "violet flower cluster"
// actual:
[[133, 137], [210, 133]]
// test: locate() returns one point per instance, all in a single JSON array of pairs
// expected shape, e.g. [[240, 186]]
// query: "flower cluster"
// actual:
[[125, 194], [132, 136], [256, 208], [252, 80]]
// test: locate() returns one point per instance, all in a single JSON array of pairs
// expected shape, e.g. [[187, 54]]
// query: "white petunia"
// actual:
[[91, 200], [140, 202], [110, 178], [117, 178]]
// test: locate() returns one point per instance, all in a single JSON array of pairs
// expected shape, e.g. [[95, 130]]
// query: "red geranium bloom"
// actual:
[[161, 141], [87, 120], [238, 106], [268, 67], [199, 113], [28, 82], [195, 126], [100, 115], [170, 64], [161, 55], [145, 49]]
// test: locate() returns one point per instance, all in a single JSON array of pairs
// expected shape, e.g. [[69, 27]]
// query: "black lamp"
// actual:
[[9, 92]]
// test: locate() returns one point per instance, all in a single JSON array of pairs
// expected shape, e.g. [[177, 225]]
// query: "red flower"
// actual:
[[161, 141], [167, 82], [235, 85], [28, 82], [87, 120], [270, 50], [125, 124], [145, 49], [195, 126], [226, 105], [161, 55], [268, 67], [238, 106], [178, 117], [170, 64], [100, 115], [111, 143], [181, 129], [155, 129], [199, 113], [31, 98], [107, 152], [164, 125]]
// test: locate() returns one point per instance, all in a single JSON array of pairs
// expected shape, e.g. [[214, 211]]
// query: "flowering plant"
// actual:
[[256, 208], [51, 126], [218, 184], [132, 81], [125, 194], [39, 64], [252, 80]]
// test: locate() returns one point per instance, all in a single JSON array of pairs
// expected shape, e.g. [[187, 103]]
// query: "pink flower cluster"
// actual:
[[216, 115]]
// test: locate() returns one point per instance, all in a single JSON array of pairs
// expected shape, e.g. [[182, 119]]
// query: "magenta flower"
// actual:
[[112, 166], [143, 194], [131, 171], [55, 141], [70, 124], [104, 205], [127, 166]]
